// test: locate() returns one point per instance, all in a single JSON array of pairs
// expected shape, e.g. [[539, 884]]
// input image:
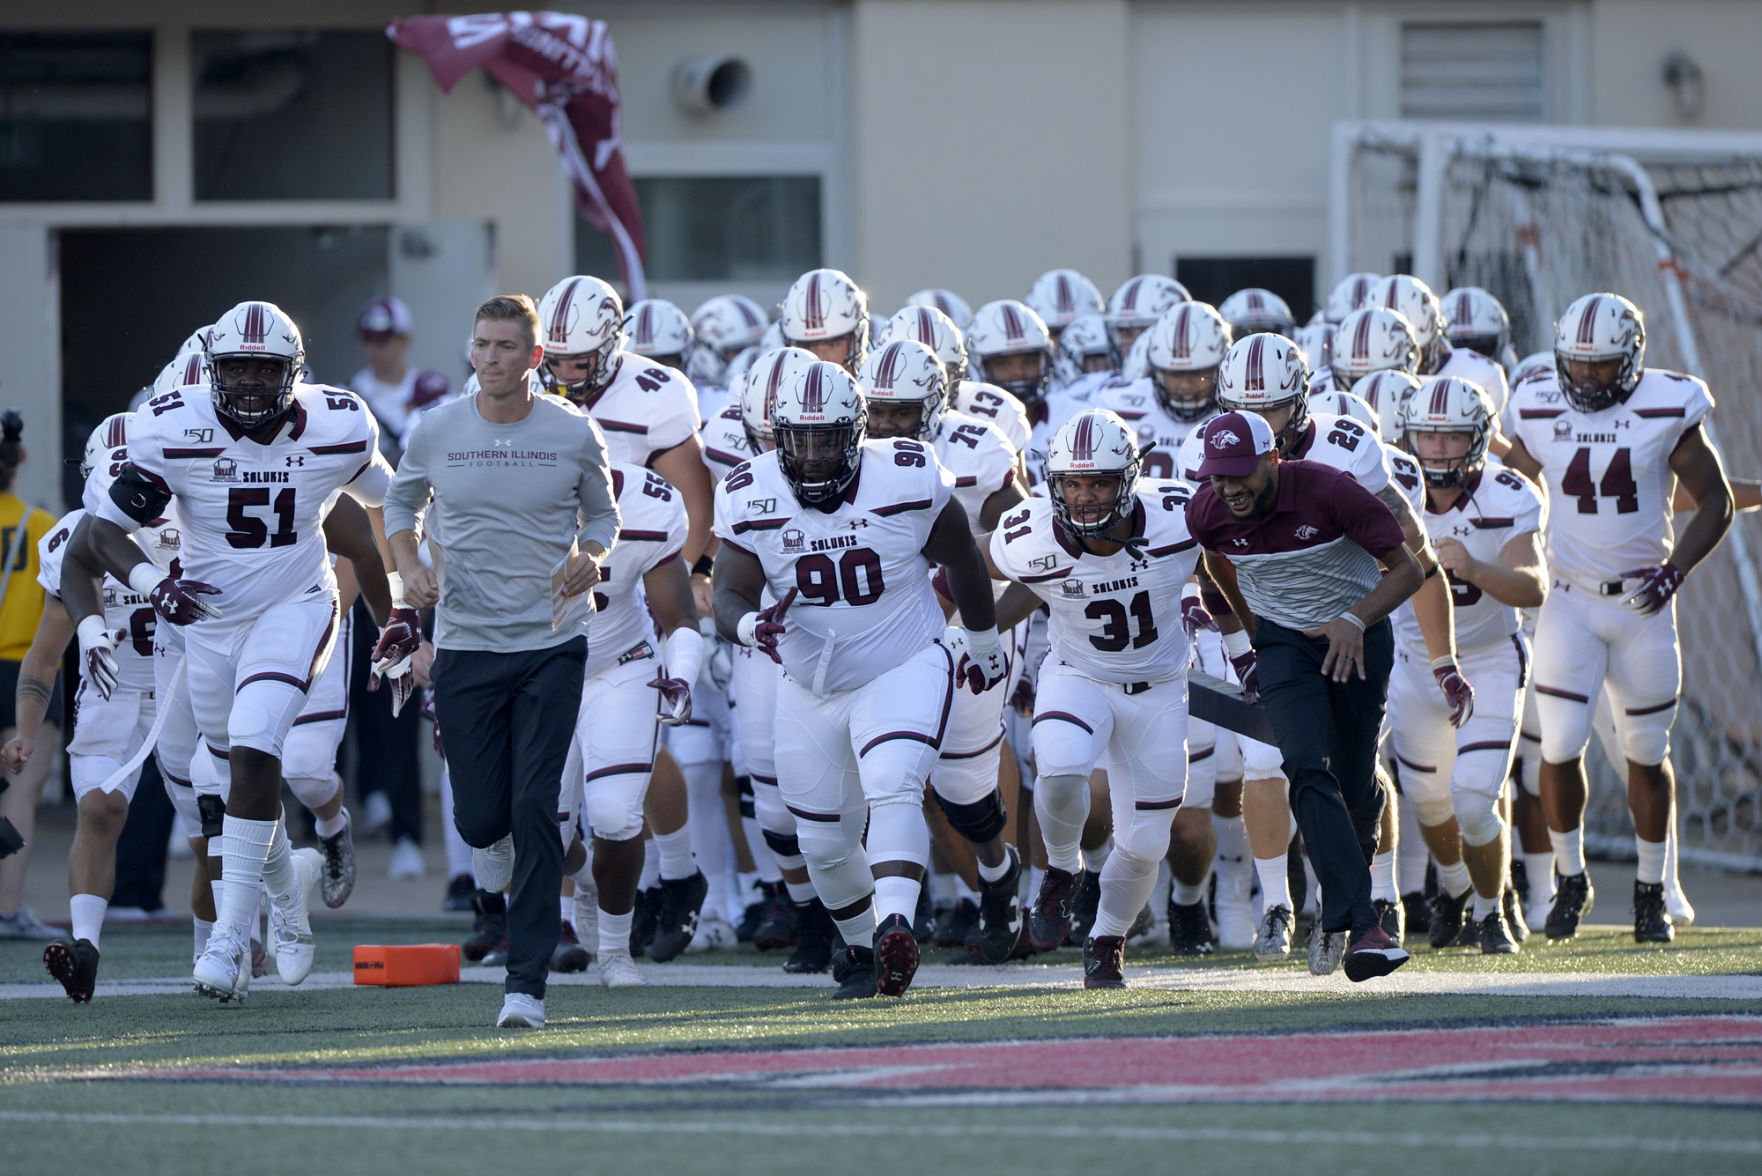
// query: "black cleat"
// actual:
[[1189, 933], [491, 931], [1652, 922], [460, 888], [681, 900], [753, 915], [1416, 913], [1512, 908], [855, 973], [1103, 957], [1085, 901], [813, 951], [75, 966], [1573, 898], [644, 917], [569, 955], [781, 926], [1495, 935], [1447, 917], [1051, 919], [924, 917], [896, 956], [961, 922], [1000, 911], [1392, 916]]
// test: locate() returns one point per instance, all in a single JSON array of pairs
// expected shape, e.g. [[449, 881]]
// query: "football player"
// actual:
[[1253, 310], [1370, 339], [849, 527], [1059, 296], [1419, 306], [825, 312], [1107, 553], [1485, 524], [254, 465], [958, 310], [1476, 321], [1607, 437], [725, 326], [1348, 294], [1084, 349], [974, 398], [658, 331]]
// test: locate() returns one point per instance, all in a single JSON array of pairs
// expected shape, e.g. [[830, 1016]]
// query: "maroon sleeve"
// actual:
[[1362, 516], [1202, 511]]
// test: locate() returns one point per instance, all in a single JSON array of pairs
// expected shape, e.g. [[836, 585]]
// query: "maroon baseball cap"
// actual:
[[1234, 444], [383, 318]]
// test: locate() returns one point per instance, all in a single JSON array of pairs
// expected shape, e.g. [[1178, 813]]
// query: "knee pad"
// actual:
[[1428, 796], [980, 821], [743, 789], [613, 806], [1146, 839], [1061, 790], [783, 845], [824, 846], [1645, 739], [313, 791], [263, 712], [1261, 761], [1477, 815], [212, 811], [1566, 726]]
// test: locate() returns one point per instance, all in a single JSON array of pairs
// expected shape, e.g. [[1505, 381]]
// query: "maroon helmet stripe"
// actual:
[[887, 372], [192, 368], [746, 314], [116, 434], [1587, 326], [926, 326], [813, 320], [1130, 301], [1254, 379], [1361, 339], [1361, 291], [645, 326], [1066, 298], [1012, 323], [813, 396], [256, 325], [1083, 440], [1254, 301], [1183, 328], [1440, 397], [559, 328]]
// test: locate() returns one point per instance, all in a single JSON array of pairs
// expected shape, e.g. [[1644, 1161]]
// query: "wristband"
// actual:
[[92, 632], [746, 630], [395, 582], [1439, 663], [982, 641], [704, 566], [144, 577], [1358, 624], [685, 654], [1236, 644]]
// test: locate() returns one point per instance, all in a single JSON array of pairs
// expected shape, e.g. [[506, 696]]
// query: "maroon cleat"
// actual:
[[896, 956], [1103, 961], [1052, 909], [75, 966], [1373, 952]]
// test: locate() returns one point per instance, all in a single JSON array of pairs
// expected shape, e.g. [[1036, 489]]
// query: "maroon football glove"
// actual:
[[180, 601], [675, 700], [1657, 586], [1248, 673], [399, 639], [1458, 694], [1195, 617], [769, 627]]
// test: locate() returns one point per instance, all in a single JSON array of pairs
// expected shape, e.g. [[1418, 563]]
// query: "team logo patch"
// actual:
[[1307, 532], [794, 540], [1224, 438], [1072, 588], [170, 539], [226, 470], [1562, 430]]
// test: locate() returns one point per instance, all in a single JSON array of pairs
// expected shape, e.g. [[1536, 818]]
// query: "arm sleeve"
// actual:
[[664, 532], [371, 481], [1370, 464], [723, 522], [50, 549], [407, 493], [1363, 517], [1697, 404], [593, 489]]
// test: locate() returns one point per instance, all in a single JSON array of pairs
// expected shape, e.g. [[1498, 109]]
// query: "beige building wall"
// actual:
[[1627, 44]]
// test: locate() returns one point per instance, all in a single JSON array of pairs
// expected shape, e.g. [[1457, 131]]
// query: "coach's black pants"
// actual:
[[1328, 731], [506, 720]]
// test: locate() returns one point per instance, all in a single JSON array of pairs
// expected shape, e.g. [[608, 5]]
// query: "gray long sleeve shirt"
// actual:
[[509, 500]]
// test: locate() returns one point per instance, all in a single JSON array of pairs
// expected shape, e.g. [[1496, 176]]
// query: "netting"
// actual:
[[1538, 232]]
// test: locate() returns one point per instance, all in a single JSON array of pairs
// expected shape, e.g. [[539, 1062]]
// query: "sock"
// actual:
[[1454, 878], [1671, 881], [651, 867], [800, 893], [217, 886], [859, 929], [1485, 905], [1569, 850], [331, 826], [895, 896], [1096, 859], [764, 862], [279, 875], [1185, 895], [1062, 805], [1275, 885], [707, 831], [1036, 876], [458, 853], [1232, 838], [247, 845], [1126, 882], [86, 912], [1233, 863], [986, 874], [615, 933], [746, 888], [1540, 868], [1651, 865], [673, 853], [202, 928], [1382, 877], [1410, 852]]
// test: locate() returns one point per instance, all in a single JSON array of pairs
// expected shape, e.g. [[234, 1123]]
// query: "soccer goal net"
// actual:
[[1539, 216]]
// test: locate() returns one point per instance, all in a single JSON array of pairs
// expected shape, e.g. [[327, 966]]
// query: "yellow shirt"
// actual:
[[23, 605]]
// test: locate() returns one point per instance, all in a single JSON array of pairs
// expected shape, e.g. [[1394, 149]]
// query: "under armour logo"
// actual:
[[1239, 542], [1139, 565], [502, 441], [855, 523], [296, 459]]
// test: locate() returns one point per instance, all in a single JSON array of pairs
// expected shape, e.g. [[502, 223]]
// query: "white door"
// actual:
[[442, 270]]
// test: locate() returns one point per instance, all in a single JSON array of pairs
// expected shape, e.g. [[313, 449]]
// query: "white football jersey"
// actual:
[[1475, 367], [651, 531], [252, 514], [646, 409], [1337, 441], [725, 443], [864, 603], [980, 458], [1608, 473], [1497, 507], [124, 608], [1137, 405], [1115, 618], [711, 400], [990, 403], [1090, 385]]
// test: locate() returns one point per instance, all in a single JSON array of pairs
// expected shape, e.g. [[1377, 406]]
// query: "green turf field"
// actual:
[[91, 1084]]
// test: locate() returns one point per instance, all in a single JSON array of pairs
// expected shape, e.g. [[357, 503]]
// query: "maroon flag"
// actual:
[[565, 69]]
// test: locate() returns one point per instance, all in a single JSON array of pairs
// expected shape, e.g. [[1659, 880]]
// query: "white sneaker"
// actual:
[[224, 969], [376, 814], [406, 861], [618, 970], [714, 933], [494, 866], [1325, 949], [290, 928], [1272, 942], [520, 1011]]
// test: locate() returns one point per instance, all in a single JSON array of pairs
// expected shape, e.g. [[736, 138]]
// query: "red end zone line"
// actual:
[[1679, 1059]]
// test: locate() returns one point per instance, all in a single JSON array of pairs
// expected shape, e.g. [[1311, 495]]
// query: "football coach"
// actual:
[[522, 513], [1311, 565]]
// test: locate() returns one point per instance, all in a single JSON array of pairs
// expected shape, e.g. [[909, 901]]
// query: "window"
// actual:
[[292, 115], [1473, 72], [1213, 279], [76, 116], [717, 229]]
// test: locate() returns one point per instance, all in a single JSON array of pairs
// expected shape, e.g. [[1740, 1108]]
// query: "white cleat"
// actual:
[[223, 970], [1235, 925], [494, 866], [520, 1011], [291, 927], [1682, 912], [587, 915], [618, 970], [714, 933]]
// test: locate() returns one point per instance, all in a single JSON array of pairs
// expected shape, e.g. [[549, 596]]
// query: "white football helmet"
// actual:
[[758, 392], [1263, 373], [659, 330], [1385, 392], [1085, 338], [725, 326], [578, 317], [904, 371], [958, 310], [1372, 339], [111, 433], [819, 421], [1449, 404], [257, 330], [825, 305], [1348, 294], [1475, 320], [1094, 443], [1346, 404], [186, 371], [1416, 303], [935, 330], [1533, 366], [1183, 351], [1599, 328], [1008, 327], [1253, 310], [1060, 295], [198, 341], [1317, 341], [1138, 303]]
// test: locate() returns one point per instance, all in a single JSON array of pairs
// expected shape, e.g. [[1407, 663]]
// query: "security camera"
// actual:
[[705, 85]]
